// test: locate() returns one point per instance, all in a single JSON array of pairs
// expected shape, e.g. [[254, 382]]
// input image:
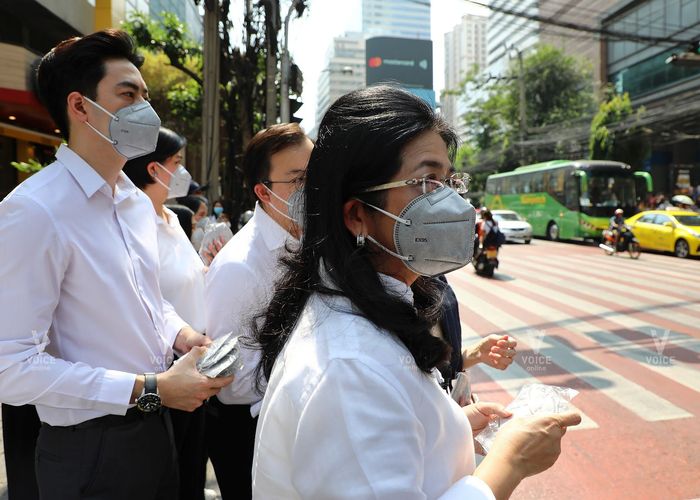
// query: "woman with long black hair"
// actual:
[[353, 407]]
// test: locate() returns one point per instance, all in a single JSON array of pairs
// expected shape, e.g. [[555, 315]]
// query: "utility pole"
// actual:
[[272, 28], [284, 76], [522, 103], [211, 101]]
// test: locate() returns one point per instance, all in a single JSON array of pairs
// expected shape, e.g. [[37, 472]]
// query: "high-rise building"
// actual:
[[585, 46], [344, 72], [398, 18], [506, 32], [465, 50]]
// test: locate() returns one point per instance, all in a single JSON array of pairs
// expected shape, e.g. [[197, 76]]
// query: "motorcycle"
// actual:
[[485, 260], [626, 242]]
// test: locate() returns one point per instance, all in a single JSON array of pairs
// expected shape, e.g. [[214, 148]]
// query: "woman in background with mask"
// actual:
[[161, 176], [353, 408]]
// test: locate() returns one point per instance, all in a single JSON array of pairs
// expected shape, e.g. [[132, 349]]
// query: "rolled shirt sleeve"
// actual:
[[173, 322], [33, 260]]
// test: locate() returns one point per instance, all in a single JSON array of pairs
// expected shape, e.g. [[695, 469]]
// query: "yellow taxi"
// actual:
[[676, 231]]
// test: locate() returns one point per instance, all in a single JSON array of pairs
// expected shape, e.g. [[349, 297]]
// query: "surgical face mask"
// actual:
[[434, 233], [218, 211], [179, 183], [133, 130], [295, 206]]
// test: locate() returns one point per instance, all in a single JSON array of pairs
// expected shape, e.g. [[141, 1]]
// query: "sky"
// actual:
[[311, 36]]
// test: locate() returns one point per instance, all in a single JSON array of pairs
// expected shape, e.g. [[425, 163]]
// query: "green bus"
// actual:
[[568, 199]]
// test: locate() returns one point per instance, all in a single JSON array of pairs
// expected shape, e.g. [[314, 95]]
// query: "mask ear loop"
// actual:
[[114, 117], [406, 222], [283, 201]]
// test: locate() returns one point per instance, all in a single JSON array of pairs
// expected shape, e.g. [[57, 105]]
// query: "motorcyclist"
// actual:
[[620, 230]]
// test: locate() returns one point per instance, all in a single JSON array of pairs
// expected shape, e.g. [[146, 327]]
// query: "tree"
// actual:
[[558, 90], [615, 133]]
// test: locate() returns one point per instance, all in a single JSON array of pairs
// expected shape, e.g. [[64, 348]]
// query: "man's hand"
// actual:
[[496, 351], [187, 338], [479, 414], [182, 387]]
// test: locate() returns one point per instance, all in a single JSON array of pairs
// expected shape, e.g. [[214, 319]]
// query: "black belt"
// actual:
[[132, 415]]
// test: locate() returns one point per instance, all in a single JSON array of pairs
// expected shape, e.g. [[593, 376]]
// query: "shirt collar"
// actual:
[[397, 287], [172, 219], [89, 180], [274, 235]]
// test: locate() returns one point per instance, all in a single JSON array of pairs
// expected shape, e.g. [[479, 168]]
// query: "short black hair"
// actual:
[[267, 142], [184, 217], [78, 65], [169, 143]]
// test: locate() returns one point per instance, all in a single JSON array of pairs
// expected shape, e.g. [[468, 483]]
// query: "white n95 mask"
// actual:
[[179, 184], [133, 130], [434, 233]]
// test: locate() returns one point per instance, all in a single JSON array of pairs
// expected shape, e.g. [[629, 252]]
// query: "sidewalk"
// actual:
[[211, 480]]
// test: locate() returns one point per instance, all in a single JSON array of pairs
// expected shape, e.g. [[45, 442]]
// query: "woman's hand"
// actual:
[[210, 252], [524, 447], [481, 413], [496, 351]]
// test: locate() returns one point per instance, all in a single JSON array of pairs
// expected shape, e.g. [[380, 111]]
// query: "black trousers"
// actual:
[[230, 442], [20, 428], [113, 457], [188, 430]]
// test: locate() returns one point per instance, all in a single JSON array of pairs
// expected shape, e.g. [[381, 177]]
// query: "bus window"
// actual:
[[526, 183], [571, 188], [537, 183]]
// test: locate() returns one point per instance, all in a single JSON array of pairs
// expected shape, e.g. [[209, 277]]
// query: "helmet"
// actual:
[[618, 211]]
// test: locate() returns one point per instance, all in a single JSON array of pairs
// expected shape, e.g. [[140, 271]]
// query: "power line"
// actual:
[[614, 34], [620, 35]]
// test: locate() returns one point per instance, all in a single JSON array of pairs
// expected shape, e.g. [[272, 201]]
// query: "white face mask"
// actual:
[[291, 206], [179, 183], [133, 130]]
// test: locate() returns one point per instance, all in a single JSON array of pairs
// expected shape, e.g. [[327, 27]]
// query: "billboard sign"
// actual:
[[405, 61]]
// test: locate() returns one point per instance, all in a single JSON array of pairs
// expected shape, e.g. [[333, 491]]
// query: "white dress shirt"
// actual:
[[239, 285], [80, 308], [348, 414], [181, 271]]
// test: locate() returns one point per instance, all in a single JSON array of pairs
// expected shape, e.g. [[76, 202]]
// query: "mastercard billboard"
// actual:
[[405, 61]]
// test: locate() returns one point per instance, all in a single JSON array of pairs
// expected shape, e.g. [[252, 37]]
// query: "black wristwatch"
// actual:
[[149, 401]]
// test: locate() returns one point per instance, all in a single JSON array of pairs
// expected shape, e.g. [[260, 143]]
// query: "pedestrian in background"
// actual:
[[239, 285], [161, 176]]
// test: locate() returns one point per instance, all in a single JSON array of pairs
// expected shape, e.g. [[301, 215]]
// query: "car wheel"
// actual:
[[552, 231], [681, 249]]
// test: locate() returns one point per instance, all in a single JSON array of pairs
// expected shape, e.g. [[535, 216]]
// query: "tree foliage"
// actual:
[[558, 89], [613, 137]]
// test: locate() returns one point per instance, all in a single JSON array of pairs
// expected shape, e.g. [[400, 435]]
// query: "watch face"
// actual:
[[148, 402]]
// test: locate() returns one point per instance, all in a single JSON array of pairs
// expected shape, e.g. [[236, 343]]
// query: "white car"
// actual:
[[513, 226]]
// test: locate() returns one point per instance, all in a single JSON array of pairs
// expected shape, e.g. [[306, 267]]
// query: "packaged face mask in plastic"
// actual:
[[222, 358], [532, 399], [214, 232]]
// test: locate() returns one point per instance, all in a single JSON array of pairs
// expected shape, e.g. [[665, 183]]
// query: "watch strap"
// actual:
[[150, 385]]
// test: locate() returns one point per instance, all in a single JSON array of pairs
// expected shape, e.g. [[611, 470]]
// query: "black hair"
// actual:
[[267, 142], [360, 144], [78, 65], [169, 143], [192, 202], [184, 216]]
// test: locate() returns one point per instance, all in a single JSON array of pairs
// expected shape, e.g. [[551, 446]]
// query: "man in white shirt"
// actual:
[[85, 331], [239, 285]]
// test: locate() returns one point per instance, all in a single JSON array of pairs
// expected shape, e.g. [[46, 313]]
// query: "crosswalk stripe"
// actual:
[[577, 286], [675, 370], [632, 396], [514, 377]]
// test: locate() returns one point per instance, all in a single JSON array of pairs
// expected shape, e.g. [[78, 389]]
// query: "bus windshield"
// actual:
[[606, 192]]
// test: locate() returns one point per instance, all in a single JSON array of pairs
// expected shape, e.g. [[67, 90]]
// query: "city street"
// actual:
[[622, 332]]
